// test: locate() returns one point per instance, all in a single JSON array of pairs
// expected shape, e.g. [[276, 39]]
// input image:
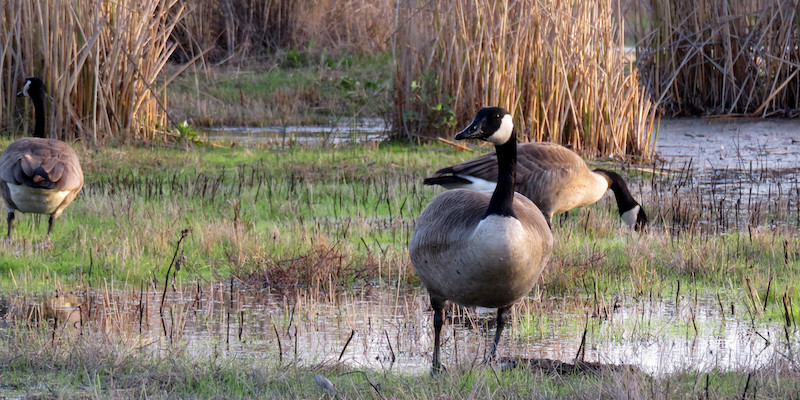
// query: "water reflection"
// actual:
[[338, 132], [391, 329]]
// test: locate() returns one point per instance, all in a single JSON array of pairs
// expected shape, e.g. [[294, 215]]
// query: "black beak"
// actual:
[[470, 132]]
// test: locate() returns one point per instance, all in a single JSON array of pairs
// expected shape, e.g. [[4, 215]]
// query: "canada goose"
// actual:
[[38, 175], [552, 176], [481, 248]]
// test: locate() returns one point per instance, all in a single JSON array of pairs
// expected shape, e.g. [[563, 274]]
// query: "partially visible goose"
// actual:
[[552, 176], [38, 175], [481, 248]]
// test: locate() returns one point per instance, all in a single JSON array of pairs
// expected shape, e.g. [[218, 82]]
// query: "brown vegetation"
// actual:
[[100, 61], [559, 67], [239, 29], [722, 57]]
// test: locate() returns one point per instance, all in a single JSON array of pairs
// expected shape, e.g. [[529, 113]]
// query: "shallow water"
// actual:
[[391, 329], [731, 143], [341, 132]]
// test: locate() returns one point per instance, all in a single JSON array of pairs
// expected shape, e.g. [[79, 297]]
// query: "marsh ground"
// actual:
[[294, 263]]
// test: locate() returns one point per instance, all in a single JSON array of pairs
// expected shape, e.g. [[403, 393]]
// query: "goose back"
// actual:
[[552, 176], [42, 175]]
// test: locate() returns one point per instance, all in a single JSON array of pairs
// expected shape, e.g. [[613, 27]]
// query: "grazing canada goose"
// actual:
[[481, 248], [38, 175], [552, 176]]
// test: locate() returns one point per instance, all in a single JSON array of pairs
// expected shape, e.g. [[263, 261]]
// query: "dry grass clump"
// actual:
[[559, 67], [100, 61], [237, 29], [722, 57]]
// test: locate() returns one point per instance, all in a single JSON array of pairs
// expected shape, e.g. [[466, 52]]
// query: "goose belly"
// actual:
[[36, 200]]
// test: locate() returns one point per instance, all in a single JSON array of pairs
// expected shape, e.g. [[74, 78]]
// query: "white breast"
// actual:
[[497, 234], [37, 201]]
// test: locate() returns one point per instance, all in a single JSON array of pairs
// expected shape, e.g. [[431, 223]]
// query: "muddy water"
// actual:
[[389, 329]]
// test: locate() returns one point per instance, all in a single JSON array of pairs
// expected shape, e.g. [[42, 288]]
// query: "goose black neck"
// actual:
[[38, 109], [503, 196], [617, 185]]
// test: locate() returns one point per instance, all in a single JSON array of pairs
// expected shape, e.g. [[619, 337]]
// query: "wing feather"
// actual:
[[41, 163], [544, 171]]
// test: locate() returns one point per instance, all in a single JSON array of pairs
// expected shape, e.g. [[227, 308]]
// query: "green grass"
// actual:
[[335, 218], [357, 202], [288, 90]]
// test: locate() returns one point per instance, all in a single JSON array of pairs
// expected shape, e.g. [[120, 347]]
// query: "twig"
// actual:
[[454, 144], [184, 233], [280, 348], [390, 344], [746, 386], [582, 348], [367, 379], [352, 333]]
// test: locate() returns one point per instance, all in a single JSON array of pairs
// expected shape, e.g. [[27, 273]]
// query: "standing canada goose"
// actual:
[[38, 175], [552, 176], [481, 248]]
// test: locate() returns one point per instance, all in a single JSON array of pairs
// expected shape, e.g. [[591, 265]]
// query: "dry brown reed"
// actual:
[[100, 61], [559, 67], [237, 29], [737, 57]]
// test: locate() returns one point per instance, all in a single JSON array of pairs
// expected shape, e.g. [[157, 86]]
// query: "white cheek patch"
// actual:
[[25, 88], [503, 133], [630, 216]]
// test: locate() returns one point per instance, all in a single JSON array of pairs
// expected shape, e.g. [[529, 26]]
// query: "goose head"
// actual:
[[636, 217], [491, 124], [33, 87]]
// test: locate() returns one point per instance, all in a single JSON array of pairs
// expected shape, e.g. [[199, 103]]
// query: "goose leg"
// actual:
[[50, 225], [438, 321], [501, 323], [10, 222]]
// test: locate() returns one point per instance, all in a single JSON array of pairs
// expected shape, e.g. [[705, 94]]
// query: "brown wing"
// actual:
[[544, 170], [41, 163]]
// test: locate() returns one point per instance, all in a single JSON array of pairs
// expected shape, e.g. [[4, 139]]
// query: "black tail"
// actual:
[[448, 181]]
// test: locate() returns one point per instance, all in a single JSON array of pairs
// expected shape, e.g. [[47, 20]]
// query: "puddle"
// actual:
[[351, 131], [388, 329]]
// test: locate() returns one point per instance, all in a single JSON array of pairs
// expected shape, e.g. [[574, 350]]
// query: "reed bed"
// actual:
[[100, 61], [559, 67], [712, 57], [236, 30]]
